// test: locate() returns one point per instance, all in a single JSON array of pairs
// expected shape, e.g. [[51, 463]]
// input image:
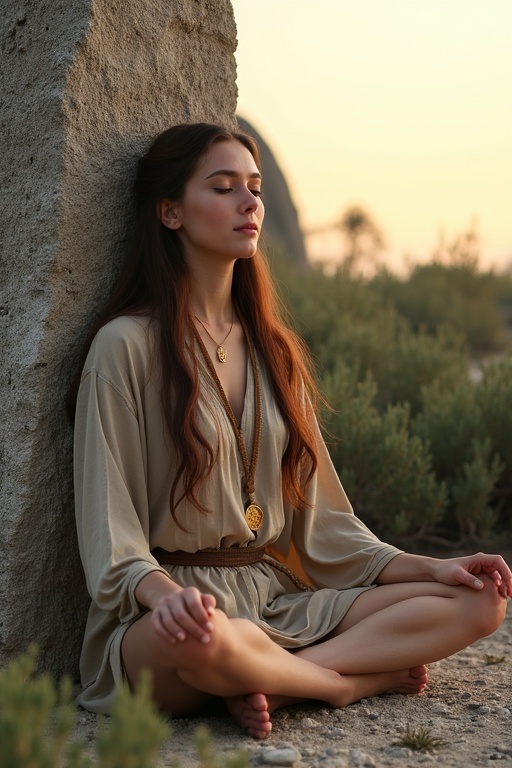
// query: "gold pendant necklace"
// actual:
[[253, 514], [221, 352]]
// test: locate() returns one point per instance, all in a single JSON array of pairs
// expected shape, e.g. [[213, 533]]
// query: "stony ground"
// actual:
[[467, 706]]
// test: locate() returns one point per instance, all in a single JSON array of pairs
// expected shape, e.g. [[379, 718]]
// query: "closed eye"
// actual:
[[225, 190]]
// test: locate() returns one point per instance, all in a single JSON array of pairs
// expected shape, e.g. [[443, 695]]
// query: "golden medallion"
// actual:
[[254, 517], [221, 354]]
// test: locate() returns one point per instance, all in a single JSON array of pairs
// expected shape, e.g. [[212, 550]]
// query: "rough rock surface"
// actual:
[[84, 86], [468, 706]]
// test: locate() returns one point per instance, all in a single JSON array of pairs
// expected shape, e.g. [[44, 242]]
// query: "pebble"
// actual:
[[286, 756], [359, 758], [337, 762], [347, 758], [309, 722], [398, 752]]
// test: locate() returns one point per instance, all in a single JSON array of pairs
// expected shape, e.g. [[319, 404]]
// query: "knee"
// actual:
[[221, 645], [488, 609], [230, 634]]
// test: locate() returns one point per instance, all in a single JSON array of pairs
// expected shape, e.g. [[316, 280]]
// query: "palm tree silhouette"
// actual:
[[362, 239]]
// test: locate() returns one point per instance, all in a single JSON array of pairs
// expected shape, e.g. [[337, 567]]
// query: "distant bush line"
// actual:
[[423, 448]]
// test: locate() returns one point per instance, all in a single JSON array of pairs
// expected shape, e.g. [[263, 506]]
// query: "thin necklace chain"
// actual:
[[249, 469], [221, 352]]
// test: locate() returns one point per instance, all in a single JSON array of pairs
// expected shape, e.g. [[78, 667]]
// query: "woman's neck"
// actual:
[[210, 297]]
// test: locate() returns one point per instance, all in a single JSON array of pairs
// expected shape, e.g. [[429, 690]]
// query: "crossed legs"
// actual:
[[382, 644]]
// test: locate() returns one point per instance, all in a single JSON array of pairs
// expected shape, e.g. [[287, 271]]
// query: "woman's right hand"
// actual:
[[184, 613]]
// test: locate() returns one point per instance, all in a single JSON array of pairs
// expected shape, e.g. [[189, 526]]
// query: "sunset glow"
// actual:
[[403, 107]]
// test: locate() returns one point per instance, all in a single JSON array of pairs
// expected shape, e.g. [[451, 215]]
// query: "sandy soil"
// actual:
[[468, 706]]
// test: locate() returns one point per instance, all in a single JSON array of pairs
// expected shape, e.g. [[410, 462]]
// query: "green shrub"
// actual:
[[387, 473], [472, 491], [468, 426], [453, 290], [417, 360], [459, 296], [494, 399], [37, 722], [423, 450]]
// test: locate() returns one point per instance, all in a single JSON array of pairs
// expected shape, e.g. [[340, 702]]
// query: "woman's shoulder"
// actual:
[[127, 328], [124, 341], [122, 332]]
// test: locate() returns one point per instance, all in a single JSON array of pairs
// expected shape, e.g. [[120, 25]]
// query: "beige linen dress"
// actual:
[[124, 468]]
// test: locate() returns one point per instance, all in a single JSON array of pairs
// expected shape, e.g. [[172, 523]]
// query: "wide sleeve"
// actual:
[[331, 546], [110, 474]]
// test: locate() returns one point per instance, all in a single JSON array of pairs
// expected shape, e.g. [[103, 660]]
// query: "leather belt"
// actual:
[[227, 557]]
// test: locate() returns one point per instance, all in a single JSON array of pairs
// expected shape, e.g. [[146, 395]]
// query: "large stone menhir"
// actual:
[[84, 87]]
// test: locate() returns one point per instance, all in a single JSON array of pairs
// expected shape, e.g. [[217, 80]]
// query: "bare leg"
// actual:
[[252, 712], [239, 659], [388, 628], [409, 624]]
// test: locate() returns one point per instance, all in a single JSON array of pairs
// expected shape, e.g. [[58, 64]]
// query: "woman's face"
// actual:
[[221, 212]]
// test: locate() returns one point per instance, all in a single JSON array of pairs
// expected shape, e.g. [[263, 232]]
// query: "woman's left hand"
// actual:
[[466, 570]]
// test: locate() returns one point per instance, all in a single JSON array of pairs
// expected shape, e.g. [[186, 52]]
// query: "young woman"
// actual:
[[201, 476]]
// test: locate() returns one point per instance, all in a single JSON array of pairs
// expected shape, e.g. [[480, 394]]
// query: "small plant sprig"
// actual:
[[135, 730], [489, 659], [419, 739], [35, 720], [204, 749]]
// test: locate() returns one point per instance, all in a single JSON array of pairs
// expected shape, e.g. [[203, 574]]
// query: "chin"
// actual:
[[249, 254]]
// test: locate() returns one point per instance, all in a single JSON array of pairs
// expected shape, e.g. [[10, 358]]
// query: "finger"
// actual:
[[495, 562], [490, 563], [209, 603], [468, 579], [501, 567], [493, 574], [195, 605], [178, 620], [502, 590], [173, 627], [157, 620]]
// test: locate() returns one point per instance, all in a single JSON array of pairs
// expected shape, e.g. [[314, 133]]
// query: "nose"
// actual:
[[249, 202]]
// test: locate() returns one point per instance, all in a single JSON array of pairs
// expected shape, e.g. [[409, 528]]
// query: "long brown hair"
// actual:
[[156, 282]]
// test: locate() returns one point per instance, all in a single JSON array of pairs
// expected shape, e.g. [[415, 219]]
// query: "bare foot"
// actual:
[[416, 680], [356, 687], [251, 713]]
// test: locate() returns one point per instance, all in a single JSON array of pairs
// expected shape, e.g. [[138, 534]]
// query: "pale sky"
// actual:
[[403, 107]]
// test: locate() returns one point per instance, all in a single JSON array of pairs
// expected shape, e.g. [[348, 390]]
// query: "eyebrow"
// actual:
[[233, 174]]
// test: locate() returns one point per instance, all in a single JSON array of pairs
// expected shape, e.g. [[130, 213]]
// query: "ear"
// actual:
[[166, 212]]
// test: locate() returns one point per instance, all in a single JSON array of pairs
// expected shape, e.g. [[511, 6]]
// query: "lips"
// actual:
[[248, 227]]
